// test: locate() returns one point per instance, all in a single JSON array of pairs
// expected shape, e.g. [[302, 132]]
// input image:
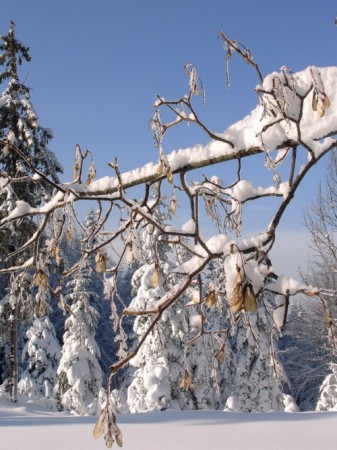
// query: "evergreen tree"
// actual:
[[328, 393], [43, 352], [258, 379], [79, 375], [24, 145], [159, 363]]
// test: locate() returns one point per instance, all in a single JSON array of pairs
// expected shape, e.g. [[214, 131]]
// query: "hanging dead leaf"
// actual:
[[320, 102], [40, 308], [99, 427], [155, 276], [235, 298], [119, 439], [75, 171], [320, 108], [186, 381], [91, 174], [69, 233], [211, 299], [169, 175], [57, 254], [41, 279], [249, 299], [328, 318], [106, 425], [5, 149], [221, 356], [100, 260]]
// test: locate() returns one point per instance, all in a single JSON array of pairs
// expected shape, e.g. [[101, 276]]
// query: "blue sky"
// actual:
[[97, 67]]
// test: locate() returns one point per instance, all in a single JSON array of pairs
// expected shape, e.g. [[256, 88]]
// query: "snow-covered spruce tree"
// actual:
[[42, 353], [305, 351], [181, 362], [15, 306], [79, 375], [328, 393], [158, 367], [100, 301], [24, 161]]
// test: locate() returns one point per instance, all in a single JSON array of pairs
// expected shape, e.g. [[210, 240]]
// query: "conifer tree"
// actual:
[[79, 375], [24, 160], [43, 352]]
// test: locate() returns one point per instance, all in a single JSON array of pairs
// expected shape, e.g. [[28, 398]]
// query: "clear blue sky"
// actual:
[[97, 66]]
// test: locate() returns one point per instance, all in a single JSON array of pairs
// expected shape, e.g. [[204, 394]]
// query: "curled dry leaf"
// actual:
[[40, 308], [57, 254], [100, 260], [249, 299], [186, 381], [5, 149], [41, 279], [169, 175], [91, 174], [221, 356], [236, 298], [328, 318], [320, 102], [76, 169], [69, 233], [155, 276], [211, 299], [106, 426]]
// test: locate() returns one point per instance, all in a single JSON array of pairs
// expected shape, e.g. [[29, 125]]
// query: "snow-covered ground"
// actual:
[[28, 427]]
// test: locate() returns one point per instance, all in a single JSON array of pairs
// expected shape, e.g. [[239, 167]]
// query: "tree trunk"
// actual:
[[13, 353]]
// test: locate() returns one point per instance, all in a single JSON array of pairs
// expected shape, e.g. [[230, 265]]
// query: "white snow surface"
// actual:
[[28, 427]]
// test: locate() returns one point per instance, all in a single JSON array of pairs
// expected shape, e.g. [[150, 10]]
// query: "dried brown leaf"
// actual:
[[69, 234], [155, 277], [75, 171], [211, 299], [100, 260], [99, 426], [320, 108], [119, 439], [236, 298], [5, 149], [169, 175], [221, 356], [328, 318], [249, 300], [41, 279], [57, 254], [186, 381]]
